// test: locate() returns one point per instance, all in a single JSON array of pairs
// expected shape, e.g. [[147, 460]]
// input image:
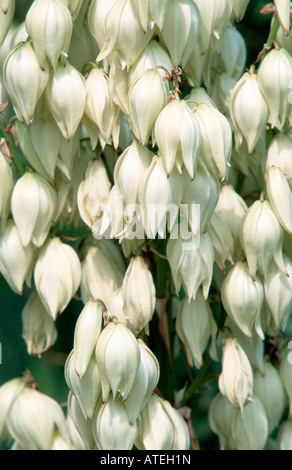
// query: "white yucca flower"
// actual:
[[117, 371], [269, 388], [66, 98], [25, 80], [49, 25], [6, 187], [138, 291], [191, 265], [146, 99], [242, 297], [274, 79], [177, 134], [195, 326]]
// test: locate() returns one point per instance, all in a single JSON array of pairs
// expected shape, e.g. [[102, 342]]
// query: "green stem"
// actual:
[[14, 156], [198, 380]]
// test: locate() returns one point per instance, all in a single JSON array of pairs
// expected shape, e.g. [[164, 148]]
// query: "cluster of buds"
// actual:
[[111, 399], [139, 126]]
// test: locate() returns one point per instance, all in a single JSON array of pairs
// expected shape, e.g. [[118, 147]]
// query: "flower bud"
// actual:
[[100, 110], [129, 171], [285, 374], [216, 139], [25, 80], [46, 140], [203, 190], [253, 347], [177, 135], [33, 418], [269, 389], [214, 19], [97, 14], [74, 6], [7, 8], [232, 55], [146, 99], [180, 30], [251, 430], [181, 439], [242, 297], [116, 305], [278, 293], [158, 194], [82, 426], [118, 373], [145, 382], [49, 25], [57, 275], [118, 82], [222, 240], [155, 429], [220, 92], [93, 193], [9, 392], [284, 436], [261, 237], [123, 34], [16, 261], [33, 206], [138, 291], [248, 110], [279, 153], [239, 8], [195, 64], [191, 265], [283, 13], [157, 11], [86, 389], [279, 195], [236, 378], [86, 334], [111, 427], [38, 327], [101, 275], [6, 187], [23, 133], [231, 208], [195, 326], [66, 98], [274, 78], [221, 415]]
